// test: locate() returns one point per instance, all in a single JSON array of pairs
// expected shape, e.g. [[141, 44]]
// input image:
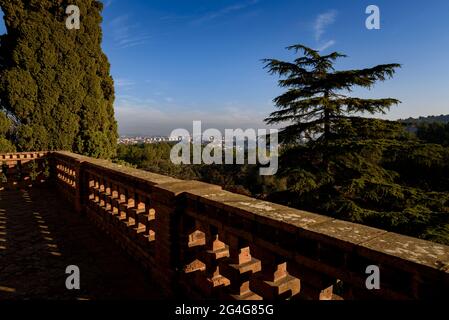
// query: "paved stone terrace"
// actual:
[[40, 236]]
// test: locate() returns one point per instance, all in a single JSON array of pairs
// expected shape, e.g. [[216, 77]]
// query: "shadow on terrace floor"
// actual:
[[40, 236]]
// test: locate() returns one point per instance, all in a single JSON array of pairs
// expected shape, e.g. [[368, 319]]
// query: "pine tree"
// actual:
[[363, 170], [315, 104], [55, 82]]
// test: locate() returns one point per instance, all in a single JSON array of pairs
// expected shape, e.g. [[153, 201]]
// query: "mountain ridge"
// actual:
[[428, 119]]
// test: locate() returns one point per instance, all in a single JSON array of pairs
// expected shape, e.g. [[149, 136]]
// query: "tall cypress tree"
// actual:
[[55, 82], [315, 104], [5, 131]]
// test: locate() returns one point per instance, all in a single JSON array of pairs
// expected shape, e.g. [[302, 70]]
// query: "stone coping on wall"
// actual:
[[376, 243], [379, 245], [22, 155]]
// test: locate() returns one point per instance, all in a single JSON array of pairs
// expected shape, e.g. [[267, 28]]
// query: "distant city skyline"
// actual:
[[176, 61]]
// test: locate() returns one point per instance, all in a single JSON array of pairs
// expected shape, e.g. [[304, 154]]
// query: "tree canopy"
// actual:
[[434, 133], [364, 170], [314, 104], [55, 83], [5, 134]]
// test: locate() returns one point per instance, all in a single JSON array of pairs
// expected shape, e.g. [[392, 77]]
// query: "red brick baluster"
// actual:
[[129, 222], [122, 205], [195, 238], [136, 213], [239, 269], [216, 250], [274, 282], [115, 201], [108, 199], [314, 285]]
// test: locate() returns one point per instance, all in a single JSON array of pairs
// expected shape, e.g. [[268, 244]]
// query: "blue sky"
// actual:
[[175, 61]]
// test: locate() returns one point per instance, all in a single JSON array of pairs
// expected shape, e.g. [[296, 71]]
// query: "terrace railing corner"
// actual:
[[200, 241], [20, 170]]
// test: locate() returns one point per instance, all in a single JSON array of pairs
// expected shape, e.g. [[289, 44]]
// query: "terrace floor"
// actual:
[[40, 236]]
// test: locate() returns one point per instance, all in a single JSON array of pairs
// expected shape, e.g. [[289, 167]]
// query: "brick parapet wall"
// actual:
[[203, 242]]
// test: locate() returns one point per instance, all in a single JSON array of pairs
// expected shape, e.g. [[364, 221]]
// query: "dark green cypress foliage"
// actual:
[[5, 134], [55, 82]]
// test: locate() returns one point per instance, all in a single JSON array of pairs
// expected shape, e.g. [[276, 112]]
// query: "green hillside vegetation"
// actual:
[[434, 133]]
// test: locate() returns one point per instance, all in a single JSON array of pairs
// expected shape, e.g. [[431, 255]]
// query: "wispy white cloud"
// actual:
[[107, 3], [322, 22], [327, 45], [225, 11], [121, 83], [126, 34]]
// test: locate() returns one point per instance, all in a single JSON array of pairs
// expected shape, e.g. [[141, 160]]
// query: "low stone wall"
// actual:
[[202, 242]]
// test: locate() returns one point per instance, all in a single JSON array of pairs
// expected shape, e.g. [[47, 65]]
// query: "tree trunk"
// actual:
[[327, 118], [327, 125]]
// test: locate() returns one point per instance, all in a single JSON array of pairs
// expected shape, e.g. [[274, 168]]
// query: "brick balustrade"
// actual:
[[200, 241], [23, 169]]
